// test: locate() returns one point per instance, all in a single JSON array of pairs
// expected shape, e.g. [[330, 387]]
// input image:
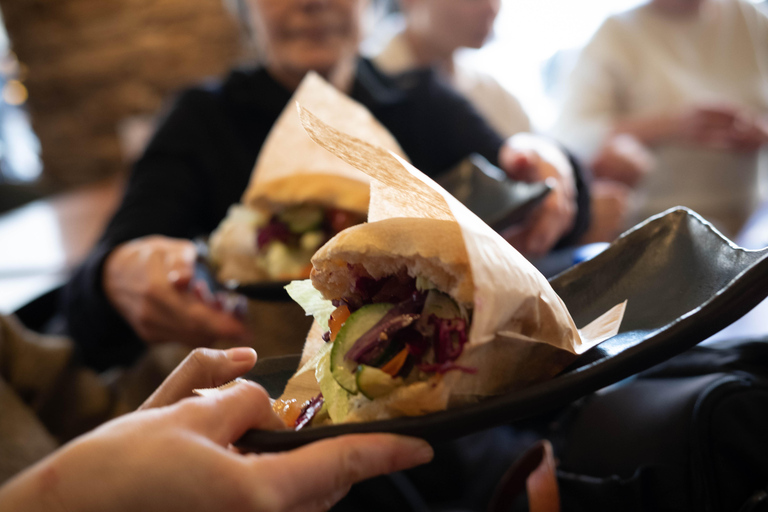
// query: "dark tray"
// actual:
[[683, 281], [267, 291]]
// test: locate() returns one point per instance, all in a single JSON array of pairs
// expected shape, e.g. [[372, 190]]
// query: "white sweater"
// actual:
[[641, 63]]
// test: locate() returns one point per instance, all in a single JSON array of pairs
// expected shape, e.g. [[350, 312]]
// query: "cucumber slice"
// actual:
[[374, 383], [302, 218], [335, 397], [356, 325], [441, 305]]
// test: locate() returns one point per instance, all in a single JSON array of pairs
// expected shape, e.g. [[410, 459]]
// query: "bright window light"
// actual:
[[535, 44]]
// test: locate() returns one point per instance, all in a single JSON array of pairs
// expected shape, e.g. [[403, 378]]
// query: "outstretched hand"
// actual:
[[530, 158], [179, 457]]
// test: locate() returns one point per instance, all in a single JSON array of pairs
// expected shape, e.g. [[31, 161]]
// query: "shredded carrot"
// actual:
[[306, 271], [338, 317], [288, 410], [397, 362]]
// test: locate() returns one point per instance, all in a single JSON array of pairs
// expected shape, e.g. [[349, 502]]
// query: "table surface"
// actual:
[[41, 242]]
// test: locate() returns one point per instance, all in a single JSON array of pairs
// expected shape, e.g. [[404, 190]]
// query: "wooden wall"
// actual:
[[94, 63]]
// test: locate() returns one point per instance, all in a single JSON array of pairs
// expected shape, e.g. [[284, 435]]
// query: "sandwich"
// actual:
[[422, 308], [299, 195], [275, 233], [398, 297]]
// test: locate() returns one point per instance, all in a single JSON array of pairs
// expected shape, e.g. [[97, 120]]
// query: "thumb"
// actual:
[[519, 164], [202, 368]]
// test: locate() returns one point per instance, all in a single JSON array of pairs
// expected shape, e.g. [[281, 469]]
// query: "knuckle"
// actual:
[[350, 464], [201, 358], [256, 393], [201, 362]]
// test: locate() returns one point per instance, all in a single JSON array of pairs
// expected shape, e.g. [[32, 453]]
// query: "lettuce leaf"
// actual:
[[336, 397], [311, 301]]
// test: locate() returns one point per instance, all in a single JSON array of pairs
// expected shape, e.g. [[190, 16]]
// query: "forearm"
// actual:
[[650, 130]]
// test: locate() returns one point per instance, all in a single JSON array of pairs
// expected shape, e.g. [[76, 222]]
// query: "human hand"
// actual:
[[722, 127], [178, 457], [624, 159], [530, 158], [148, 281], [750, 133], [202, 368]]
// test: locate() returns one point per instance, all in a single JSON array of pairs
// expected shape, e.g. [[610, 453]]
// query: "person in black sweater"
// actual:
[[132, 289]]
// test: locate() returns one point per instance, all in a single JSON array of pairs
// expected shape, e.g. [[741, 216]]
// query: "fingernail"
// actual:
[[420, 451], [240, 354]]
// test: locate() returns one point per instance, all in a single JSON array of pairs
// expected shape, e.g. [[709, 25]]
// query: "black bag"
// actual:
[[689, 434]]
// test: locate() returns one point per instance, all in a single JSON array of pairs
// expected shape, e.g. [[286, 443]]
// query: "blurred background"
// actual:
[[83, 80]]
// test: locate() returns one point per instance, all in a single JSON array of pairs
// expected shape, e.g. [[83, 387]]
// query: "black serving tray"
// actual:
[[266, 291], [683, 281]]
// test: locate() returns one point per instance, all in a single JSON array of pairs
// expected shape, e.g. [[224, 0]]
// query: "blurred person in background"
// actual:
[[687, 79], [134, 288], [433, 32], [431, 35]]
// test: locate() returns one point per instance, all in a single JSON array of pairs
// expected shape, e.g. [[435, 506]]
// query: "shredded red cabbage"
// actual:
[[450, 337], [368, 290], [308, 412], [371, 345], [275, 230], [433, 343], [375, 341]]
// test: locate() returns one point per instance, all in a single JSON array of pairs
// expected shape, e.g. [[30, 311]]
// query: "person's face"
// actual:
[[678, 8], [452, 24], [297, 36]]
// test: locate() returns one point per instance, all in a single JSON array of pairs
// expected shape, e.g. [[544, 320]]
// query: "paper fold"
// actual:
[[287, 151]]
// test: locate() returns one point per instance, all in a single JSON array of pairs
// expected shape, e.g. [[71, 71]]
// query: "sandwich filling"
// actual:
[[382, 335], [286, 241], [251, 245]]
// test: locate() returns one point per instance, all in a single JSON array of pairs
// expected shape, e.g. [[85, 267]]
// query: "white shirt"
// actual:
[[642, 63], [496, 104]]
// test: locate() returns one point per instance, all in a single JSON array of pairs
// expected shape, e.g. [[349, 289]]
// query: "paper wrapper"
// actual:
[[292, 169], [288, 151], [521, 330]]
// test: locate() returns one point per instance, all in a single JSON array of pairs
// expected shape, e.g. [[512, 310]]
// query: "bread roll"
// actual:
[[429, 248], [328, 190]]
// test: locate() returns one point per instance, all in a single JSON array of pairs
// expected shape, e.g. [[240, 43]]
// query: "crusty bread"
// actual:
[[425, 247], [324, 189]]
